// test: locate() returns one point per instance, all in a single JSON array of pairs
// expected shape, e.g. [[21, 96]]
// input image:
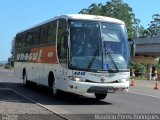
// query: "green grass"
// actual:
[[141, 78]]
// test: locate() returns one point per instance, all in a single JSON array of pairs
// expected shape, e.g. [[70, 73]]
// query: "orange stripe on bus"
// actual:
[[45, 54]]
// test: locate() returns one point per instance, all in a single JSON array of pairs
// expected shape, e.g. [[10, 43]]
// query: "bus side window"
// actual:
[[36, 33], [52, 32], [18, 44], [29, 38], [23, 41], [62, 52], [44, 34]]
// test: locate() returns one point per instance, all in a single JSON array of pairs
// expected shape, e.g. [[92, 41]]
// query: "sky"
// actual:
[[18, 15]]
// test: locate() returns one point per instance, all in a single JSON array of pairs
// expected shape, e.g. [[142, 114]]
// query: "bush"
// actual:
[[139, 69], [7, 67]]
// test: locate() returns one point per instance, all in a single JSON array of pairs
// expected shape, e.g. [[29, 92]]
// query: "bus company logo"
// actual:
[[30, 56], [102, 79]]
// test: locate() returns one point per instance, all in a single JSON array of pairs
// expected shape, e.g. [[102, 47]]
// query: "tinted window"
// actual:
[[62, 52], [29, 37], [52, 32], [18, 44], [44, 34], [36, 36], [22, 40]]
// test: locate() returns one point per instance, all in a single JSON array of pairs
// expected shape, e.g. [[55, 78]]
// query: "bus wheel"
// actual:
[[100, 96], [25, 81], [54, 91]]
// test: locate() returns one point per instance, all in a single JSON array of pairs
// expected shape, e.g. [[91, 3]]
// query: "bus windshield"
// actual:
[[98, 46]]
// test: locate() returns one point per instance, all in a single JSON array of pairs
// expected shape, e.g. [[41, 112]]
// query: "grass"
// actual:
[[8, 67], [141, 78]]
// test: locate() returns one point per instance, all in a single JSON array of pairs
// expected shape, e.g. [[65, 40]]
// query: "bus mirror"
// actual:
[[132, 46], [66, 40]]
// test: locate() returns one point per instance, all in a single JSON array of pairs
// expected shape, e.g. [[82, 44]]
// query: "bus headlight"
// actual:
[[77, 79]]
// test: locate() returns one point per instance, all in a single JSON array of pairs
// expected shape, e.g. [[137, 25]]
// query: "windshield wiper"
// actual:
[[114, 63], [111, 58], [93, 57]]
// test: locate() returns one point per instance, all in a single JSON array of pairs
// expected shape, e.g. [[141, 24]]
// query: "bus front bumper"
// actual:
[[85, 87]]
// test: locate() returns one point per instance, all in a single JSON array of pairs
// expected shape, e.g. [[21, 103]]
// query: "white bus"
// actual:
[[75, 53]]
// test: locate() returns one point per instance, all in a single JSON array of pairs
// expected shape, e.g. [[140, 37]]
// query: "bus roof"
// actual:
[[80, 17], [92, 17]]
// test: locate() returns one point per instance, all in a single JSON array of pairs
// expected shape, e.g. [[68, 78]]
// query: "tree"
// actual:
[[116, 9], [154, 26], [141, 32], [13, 48], [93, 9], [11, 59]]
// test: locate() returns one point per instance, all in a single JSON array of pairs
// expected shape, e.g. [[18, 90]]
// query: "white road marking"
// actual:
[[37, 103], [144, 94]]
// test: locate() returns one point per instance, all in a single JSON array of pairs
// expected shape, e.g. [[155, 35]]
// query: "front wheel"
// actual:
[[53, 90], [100, 96]]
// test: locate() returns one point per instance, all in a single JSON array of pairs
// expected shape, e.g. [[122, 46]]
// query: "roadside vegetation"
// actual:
[[140, 71], [6, 66]]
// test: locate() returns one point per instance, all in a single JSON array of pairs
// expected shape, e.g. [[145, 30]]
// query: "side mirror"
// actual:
[[132, 46], [66, 40]]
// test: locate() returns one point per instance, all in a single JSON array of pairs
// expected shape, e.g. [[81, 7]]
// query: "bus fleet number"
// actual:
[[79, 73]]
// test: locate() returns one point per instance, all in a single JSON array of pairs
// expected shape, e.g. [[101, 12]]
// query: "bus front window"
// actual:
[[90, 46], [84, 44], [115, 46]]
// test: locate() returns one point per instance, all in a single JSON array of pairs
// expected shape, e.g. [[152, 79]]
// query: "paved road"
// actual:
[[37, 100]]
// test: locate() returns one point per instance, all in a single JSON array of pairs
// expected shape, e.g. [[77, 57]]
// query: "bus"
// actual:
[[75, 53]]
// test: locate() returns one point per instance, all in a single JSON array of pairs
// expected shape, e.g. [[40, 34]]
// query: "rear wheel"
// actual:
[[100, 96], [25, 81]]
